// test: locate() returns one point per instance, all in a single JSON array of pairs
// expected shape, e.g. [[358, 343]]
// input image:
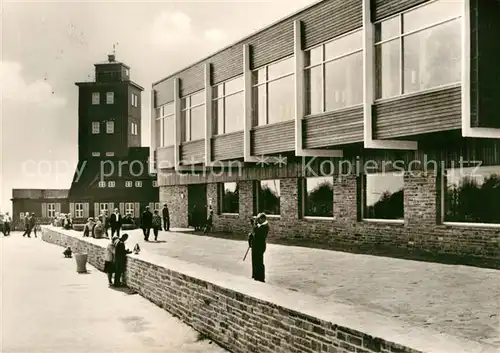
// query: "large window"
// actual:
[[274, 93], [51, 210], [419, 49], [193, 116], [471, 195], [384, 196], [228, 111], [229, 198], [318, 197], [334, 74], [165, 125], [103, 207], [110, 127], [268, 199]]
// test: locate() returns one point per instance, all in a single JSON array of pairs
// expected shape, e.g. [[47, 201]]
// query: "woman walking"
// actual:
[[156, 224]]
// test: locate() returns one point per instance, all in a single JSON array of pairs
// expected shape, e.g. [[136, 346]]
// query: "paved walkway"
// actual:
[[48, 308], [457, 300]]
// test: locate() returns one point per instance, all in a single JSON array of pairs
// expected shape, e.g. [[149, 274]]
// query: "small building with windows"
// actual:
[[358, 124], [113, 169]]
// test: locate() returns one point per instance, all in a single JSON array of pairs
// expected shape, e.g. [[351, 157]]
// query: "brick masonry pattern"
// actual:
[[234, 320], [420, 231]]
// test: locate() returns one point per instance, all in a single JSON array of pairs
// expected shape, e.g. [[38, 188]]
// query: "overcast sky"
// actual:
[[48, 46]]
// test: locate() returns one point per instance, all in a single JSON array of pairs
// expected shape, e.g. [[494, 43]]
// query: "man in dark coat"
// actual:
[[147, 223], [120, 259], [166, 217], [115, 222], [257, 241]]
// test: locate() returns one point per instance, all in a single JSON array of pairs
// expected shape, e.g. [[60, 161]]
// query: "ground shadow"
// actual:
[[124, 289]]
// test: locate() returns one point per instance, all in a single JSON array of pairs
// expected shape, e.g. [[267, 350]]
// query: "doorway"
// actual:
[[197, 204]]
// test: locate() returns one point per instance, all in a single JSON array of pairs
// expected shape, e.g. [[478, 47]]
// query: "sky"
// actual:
[[47, 46]]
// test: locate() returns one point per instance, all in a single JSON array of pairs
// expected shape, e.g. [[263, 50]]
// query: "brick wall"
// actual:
[[422, 230], [244, 316], [176, 198]]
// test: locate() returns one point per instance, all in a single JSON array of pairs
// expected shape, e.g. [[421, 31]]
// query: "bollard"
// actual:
[[81, 262]]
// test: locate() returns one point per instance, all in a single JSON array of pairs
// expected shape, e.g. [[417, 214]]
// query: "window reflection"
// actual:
[[269, 197], [193, 116], [384, 196], [281, 100], [229, 198], [318, 197], [344, 84], [228, 108]]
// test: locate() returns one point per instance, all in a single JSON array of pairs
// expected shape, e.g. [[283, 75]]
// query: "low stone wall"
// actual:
[[245, 316]]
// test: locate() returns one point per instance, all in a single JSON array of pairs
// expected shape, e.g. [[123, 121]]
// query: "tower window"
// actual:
[[96, 154], [133, 128], [138, 184], [155, 183], [110, 97], [96, 98], [128, 184], [135, 100], [111, 184], [96, 127], [110, 154], [110, 127], [102, 184]]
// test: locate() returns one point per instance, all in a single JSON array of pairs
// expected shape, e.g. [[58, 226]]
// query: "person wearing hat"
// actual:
[[257, 241], [146, 223], [166, 218]]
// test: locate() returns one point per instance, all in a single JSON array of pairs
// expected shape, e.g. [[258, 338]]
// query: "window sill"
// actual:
[[230, 215], [274, 216], [228, 134], [192, 141], [418, 93], [259, 127], [318, 218], [339, 110], [384, 221], [472, 225]]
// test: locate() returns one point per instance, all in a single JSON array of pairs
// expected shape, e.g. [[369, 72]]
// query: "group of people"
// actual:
[[30, 225], [5, 223], [116, 259], [199, 219]]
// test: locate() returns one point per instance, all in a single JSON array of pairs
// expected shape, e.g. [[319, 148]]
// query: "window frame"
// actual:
[[155, 183], [79, 210], [134, 99], [186, 118], [364, 183], [110, 97], [96, 127], [51, 208], [110, 127], [96, 154], [222, 190], [161, 117], [266, 82], [138, 184], [304, 199], [222, 98], [259, 197], [96, 98], [129, 184], [101, 184], [110, 154], [128, 209], [103, 206], [323, 64], [111, 184], [400, 40]]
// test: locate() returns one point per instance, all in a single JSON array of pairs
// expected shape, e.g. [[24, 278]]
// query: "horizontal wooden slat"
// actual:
[[227, 64], [275, 138], [333, 128], [193, 152], [229, 146], [385, 8], [418, 114], [192, 79], [165, 157], [164, 92]]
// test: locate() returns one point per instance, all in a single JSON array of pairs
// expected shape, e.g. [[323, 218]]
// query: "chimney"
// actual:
[[111, 58]]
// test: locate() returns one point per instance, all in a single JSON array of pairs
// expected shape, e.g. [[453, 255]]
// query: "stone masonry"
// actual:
[[422, 229]]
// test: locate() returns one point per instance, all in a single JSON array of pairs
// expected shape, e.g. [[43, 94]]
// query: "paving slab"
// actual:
[[457, 300], [46, 307]]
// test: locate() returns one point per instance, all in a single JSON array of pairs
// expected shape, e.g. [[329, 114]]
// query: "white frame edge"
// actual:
[[208, 115], [368, 89], [152, 131], [467, 129], [177, 123], [299, 100]]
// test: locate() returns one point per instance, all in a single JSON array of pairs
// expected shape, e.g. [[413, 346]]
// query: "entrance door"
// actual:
[[197, 203]]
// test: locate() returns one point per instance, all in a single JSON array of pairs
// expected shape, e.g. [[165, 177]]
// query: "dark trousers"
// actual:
[[113, 231], [6, 228], [258, 268], [166, 223], [146, 232], [119, 270], [27, 231], [155, 232], [105, 231]]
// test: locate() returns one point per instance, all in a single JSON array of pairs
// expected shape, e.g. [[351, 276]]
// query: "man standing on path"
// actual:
[[115, 222], [257, 241], [27, 225], [120, 259], [105, 223], [147, 223], [32, 224], [6, 224], [166, 218]]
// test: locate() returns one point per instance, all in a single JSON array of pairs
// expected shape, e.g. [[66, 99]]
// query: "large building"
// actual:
[[403, 93], [113, 169]]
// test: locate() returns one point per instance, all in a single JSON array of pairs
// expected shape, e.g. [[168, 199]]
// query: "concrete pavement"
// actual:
[[48, 308], [458, 300]]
